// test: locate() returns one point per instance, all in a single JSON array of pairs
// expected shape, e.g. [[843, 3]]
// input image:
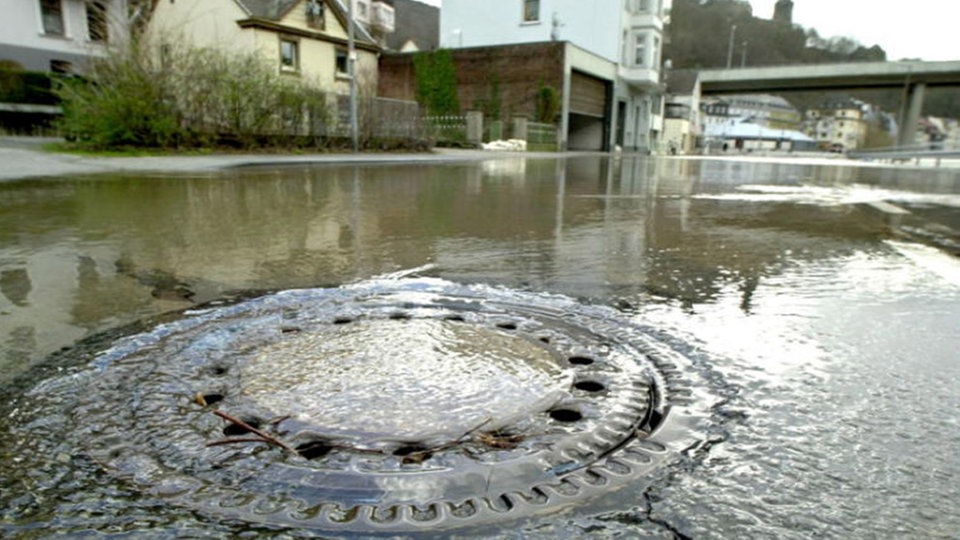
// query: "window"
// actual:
[[343, 66], [315, 14], [97, 21], [51, 13], [640, 50], [656, 51], [643, 6], [61, 66], [289, 55], [362, 10], [531, 10]]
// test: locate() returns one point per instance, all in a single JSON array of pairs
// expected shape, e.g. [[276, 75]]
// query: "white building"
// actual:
[[682, 129], [739, 135], [59, 35], [376, 16], [626, 33], [765, 110], [839, 125]]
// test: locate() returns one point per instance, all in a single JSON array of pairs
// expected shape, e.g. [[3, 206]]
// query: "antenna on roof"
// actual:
[[555, 29]]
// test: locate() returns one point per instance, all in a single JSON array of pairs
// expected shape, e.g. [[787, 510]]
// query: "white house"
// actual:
[[626, 33], [59, 35]]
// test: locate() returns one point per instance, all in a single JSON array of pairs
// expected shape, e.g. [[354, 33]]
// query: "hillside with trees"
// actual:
[[699, 37]]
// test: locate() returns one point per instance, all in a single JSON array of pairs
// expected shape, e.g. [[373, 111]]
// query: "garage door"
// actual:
[[588, 95]]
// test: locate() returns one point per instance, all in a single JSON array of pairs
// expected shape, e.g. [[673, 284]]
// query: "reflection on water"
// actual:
[[77, 256], [832, 332]]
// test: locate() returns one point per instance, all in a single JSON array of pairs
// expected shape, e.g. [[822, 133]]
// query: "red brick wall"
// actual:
[[520, 70]]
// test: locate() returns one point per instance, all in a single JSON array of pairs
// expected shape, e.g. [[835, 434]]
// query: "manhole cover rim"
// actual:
[[564, 484]]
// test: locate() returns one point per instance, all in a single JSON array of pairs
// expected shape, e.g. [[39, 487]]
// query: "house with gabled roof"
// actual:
[[303, 38]]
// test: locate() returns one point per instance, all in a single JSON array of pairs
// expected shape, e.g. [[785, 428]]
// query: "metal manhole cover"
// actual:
[[390, 406]]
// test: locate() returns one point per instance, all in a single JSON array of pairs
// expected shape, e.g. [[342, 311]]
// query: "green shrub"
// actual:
[[188, 98], [191, 97], [123, 104], [548, 104], [436, 80]]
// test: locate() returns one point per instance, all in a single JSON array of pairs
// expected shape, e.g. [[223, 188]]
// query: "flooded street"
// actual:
[[818, 308]]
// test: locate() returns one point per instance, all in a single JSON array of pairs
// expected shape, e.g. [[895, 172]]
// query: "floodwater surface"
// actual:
[[820, 303]]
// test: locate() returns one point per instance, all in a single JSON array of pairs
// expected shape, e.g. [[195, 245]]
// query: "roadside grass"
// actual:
[[65, 147]]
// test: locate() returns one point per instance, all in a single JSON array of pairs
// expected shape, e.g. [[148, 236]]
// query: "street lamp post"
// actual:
[[733, 35], [352, 69]]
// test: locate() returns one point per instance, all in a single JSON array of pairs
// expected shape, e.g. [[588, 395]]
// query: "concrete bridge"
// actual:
[[912, 77]]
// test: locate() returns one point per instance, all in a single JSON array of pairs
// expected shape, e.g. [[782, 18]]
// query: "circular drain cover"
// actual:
[[390, 406]]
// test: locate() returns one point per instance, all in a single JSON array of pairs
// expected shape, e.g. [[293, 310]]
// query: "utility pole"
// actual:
[[733, 35], [352, 69]]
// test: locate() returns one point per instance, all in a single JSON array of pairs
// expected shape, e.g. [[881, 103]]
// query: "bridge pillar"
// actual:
[[914, 106]]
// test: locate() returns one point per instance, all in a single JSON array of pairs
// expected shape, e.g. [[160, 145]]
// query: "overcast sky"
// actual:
[[924, 29], [904, 28]]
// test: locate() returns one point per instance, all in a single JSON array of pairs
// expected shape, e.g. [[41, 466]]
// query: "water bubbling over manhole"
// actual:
[[388, 406], [433, 381]]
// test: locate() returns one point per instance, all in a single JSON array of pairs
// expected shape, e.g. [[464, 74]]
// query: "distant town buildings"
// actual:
[[935, 132], [765, 110], [839, 125], [752, 122]]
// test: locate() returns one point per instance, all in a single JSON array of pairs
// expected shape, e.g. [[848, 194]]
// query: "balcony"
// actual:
[[644, 20], [381, 17], [640, 76]]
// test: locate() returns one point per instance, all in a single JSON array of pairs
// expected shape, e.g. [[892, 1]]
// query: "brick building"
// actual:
[[507, 78]]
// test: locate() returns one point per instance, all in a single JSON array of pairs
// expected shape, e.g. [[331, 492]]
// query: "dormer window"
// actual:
[[315, 13]]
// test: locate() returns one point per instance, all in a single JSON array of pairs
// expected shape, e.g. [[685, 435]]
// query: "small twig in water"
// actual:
[[223, 442], [279, 419], [262, 434]]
